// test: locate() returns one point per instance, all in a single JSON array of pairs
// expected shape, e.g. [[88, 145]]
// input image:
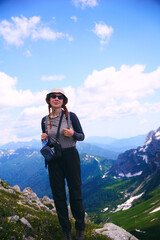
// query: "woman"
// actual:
[[68, 165]]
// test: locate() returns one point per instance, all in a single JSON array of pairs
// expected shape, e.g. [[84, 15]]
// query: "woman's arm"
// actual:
[[78, 131], [43, 127]]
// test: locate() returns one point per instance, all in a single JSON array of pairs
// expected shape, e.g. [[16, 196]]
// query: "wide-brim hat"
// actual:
[[57, 90]]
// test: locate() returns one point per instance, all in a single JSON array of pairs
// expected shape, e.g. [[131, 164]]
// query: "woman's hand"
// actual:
[[43, 136], [68, 132]]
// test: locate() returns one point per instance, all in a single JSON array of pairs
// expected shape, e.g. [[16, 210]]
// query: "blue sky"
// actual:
[[104, 53]]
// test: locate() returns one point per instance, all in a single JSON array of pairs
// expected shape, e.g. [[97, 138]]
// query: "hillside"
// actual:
[[129, 190], [144, 217], [24, 216], [131, 203]]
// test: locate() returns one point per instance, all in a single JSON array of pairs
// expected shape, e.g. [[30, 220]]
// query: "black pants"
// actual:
[[67, 167]]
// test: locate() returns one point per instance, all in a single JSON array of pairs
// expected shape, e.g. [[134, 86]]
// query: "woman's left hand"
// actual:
[[68, 132]]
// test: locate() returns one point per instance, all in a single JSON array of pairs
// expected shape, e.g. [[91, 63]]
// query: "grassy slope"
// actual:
[[44, 224], [108, 193], [139, 217], [101, 193]]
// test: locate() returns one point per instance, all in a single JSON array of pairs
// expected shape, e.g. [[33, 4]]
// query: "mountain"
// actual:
[[129, 190], [93, 166], [95, 150], [101, 146], [81, 146], [113, 191], [15, 145], [101, 140], [132, 203], [136, 161], [25, 167], [136, 171], [117, 145]]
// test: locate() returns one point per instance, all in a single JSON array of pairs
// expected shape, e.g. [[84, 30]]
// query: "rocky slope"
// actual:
[[25, 216]]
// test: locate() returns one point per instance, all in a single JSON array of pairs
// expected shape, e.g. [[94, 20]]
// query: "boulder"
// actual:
[[115, 232]]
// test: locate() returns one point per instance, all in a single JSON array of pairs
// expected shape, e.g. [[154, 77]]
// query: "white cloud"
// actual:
[[85, 3], [71, 95], [11, 97], [111, 94], [5, 131], [103, 31], [74, 18], [20, 28], [108, 94], [29, 121], [53, 78]]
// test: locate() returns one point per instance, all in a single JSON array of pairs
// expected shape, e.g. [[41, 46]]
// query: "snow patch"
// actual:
[[128, 204], [137, 230], [145, 158], [128, 175], [155, 210], [142, 149], [149, 141], [121, 174], [157, 135], [105, 209], [35, 152], [105, 175]]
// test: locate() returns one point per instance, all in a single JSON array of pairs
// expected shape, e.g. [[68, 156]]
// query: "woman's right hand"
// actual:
[[44, 136]]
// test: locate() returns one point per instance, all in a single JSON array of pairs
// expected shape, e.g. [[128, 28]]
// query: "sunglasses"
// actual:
[[60, 97]]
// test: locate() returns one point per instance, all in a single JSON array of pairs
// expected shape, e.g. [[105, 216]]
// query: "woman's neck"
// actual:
[[55, 112]]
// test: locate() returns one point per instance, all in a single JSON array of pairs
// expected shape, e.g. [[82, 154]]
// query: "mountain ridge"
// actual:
[[134, 161], [118, 145]]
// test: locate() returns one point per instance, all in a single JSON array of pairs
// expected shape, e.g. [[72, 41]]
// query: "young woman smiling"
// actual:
[[68, 165]]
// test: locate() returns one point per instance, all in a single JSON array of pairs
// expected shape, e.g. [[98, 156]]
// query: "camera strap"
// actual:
[[59, 125]]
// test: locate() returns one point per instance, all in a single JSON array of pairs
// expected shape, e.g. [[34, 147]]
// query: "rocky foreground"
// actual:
[[28, 198]]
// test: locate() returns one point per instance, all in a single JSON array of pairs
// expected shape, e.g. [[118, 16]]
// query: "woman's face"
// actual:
[[56, 100]]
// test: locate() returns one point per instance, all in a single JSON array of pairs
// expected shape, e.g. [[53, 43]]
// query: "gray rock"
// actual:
[[28, 238], [17, 188], [25, 222], [115, 232], [13, 219], [29, 194]]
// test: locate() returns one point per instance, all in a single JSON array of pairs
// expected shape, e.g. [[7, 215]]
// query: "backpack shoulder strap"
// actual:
[[68, 121], [46, 123]]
